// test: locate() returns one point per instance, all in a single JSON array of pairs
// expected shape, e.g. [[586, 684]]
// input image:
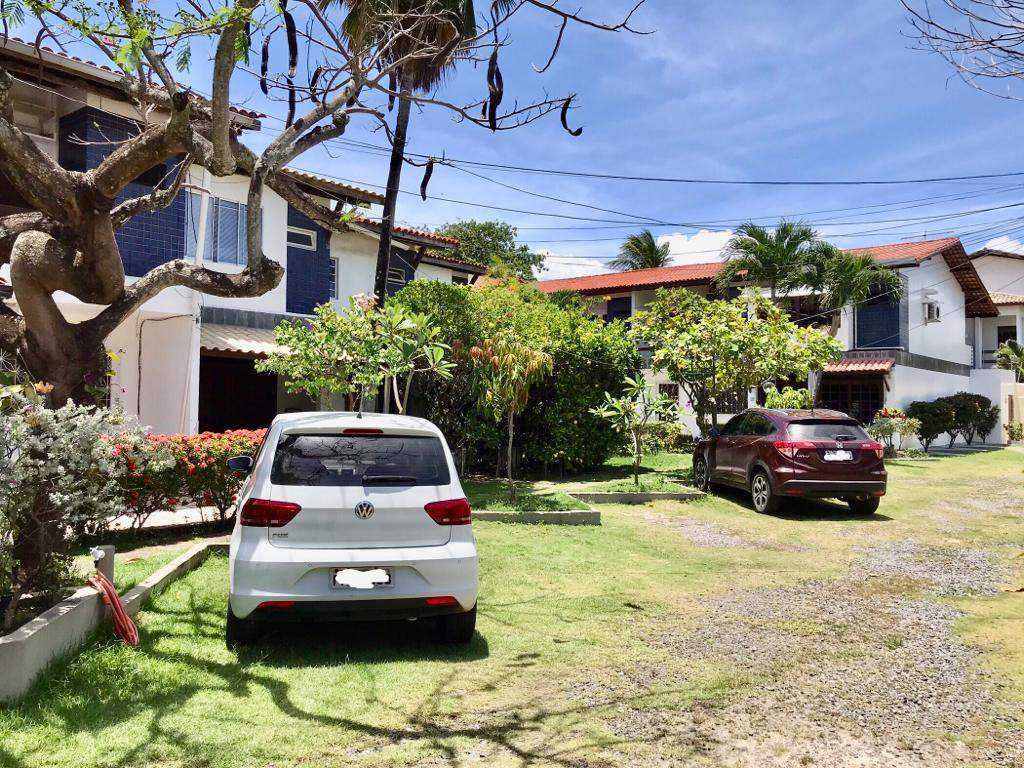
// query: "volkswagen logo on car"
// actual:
[[364, 510]]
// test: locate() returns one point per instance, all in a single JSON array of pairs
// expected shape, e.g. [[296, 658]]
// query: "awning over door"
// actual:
[[861, 365], [239, 340]]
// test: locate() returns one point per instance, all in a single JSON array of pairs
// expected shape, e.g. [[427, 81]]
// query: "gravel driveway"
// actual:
[[851, 672]]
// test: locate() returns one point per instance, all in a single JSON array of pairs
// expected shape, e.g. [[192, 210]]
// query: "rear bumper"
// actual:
[[831, 488], [354, 610], [260, 572]]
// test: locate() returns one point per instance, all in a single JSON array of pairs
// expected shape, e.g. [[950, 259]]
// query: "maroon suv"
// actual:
[[777, 454]]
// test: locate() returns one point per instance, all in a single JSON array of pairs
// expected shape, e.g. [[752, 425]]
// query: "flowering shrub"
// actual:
[[60, 476], [202, 463], [149, 478], [890, 427]]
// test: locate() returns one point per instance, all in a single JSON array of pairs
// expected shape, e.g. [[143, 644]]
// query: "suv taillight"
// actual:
[[878, 448], [451, 512], [268, 514], [790, 448]]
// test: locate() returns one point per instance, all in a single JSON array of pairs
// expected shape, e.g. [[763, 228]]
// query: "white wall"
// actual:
[[944, 339], [1001, 274], [995, 384]]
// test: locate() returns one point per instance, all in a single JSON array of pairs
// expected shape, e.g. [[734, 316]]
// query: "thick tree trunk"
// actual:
[[387, 223]]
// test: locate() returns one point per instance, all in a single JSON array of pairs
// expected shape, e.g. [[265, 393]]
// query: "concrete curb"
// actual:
[[546, 517], [625, 497], [27, 651]]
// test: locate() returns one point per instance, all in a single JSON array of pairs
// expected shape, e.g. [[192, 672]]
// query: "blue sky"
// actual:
[[748, 90]]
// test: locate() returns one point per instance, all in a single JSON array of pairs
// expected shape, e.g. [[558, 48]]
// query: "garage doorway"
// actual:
[[233, 395]]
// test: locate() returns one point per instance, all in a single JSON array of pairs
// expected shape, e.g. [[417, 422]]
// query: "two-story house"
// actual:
[[925, 345], [184, 361]]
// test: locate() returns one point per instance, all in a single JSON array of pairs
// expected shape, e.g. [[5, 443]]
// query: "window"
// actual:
[[734, 425], [460, 280], [931, 312], [1005, 333], [332, 290], [396, 275], [826, 430], [619, 308], [347, 461], [670, 391], [757, 425], [301, 238], [225, 230]]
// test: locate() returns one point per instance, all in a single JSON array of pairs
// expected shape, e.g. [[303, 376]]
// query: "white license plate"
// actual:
[[361, 578], [838, 456]]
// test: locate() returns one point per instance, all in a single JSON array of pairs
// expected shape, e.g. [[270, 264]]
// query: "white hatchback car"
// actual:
[[350, 516]]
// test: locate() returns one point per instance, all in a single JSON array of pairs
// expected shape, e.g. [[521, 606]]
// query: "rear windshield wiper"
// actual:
[[389, 480]]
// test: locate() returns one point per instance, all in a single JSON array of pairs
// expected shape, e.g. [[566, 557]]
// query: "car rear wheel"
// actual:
[[239, 632], [864, 506], [458, 628], [702, 474], [761, 493]]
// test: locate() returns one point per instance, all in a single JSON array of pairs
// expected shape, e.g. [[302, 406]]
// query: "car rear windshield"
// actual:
[[827, 430], [355, 460]]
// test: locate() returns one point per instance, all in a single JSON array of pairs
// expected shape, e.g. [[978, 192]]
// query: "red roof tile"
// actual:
[[658, 277], [1007, 299], [918, 250], [422, 234], [861, 365]]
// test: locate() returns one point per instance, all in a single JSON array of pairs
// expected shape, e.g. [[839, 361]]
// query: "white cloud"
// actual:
[[559, 266], [702, 246], [1005, 244]]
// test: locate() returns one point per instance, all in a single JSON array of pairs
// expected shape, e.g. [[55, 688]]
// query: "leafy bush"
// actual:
[[934, 417], [667, 436], [788, 398], [973, 416], [60, 476], [891, 426], [589, 358], [149, 477], [1015, 431], [201, 462]]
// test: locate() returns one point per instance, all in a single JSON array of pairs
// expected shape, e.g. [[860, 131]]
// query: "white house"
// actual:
[[184, 361], [926, 345]]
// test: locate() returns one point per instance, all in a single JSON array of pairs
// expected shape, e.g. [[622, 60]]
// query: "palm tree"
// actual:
[[770, 257], [406, 27], [641, 251], [841, 279], [1010, 357]]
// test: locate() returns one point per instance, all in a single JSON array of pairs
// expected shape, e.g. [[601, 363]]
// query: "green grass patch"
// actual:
[[494, 495]]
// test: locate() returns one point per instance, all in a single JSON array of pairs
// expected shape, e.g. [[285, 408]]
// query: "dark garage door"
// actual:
[[232, 395]]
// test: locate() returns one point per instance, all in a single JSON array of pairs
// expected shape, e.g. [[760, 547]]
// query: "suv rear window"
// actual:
[[355, 460], [826, 430]]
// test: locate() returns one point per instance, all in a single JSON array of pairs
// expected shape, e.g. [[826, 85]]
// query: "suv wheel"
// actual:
[[239, 632], [864, 505], [702, 474], [458, 628], [761, 493]]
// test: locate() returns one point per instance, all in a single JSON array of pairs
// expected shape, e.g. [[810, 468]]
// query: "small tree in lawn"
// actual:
[[506, 367], [410, 345], [633, 411], [336, 353], [714, 348]]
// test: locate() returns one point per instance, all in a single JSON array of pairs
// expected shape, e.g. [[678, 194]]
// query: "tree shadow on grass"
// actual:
[[108, 685], [809, 510]]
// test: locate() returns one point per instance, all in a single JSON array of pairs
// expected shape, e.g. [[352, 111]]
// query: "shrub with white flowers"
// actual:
[[59, 477]]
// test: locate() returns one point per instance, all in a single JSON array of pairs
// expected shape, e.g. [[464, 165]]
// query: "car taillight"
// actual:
[[878, 448], [451, 512], [268, 514], [790, 448]]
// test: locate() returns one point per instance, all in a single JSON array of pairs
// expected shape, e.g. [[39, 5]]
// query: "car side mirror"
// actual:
[[714, 432], [240, 464]]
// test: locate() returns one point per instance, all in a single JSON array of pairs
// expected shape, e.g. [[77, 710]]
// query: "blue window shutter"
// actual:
[[308, 277]]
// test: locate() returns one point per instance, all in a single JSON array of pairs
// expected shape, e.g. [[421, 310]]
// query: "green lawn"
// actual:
[[575, 627], [494, 495]]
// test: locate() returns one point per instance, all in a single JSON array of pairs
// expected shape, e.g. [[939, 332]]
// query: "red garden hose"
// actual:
[[124, 627]]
